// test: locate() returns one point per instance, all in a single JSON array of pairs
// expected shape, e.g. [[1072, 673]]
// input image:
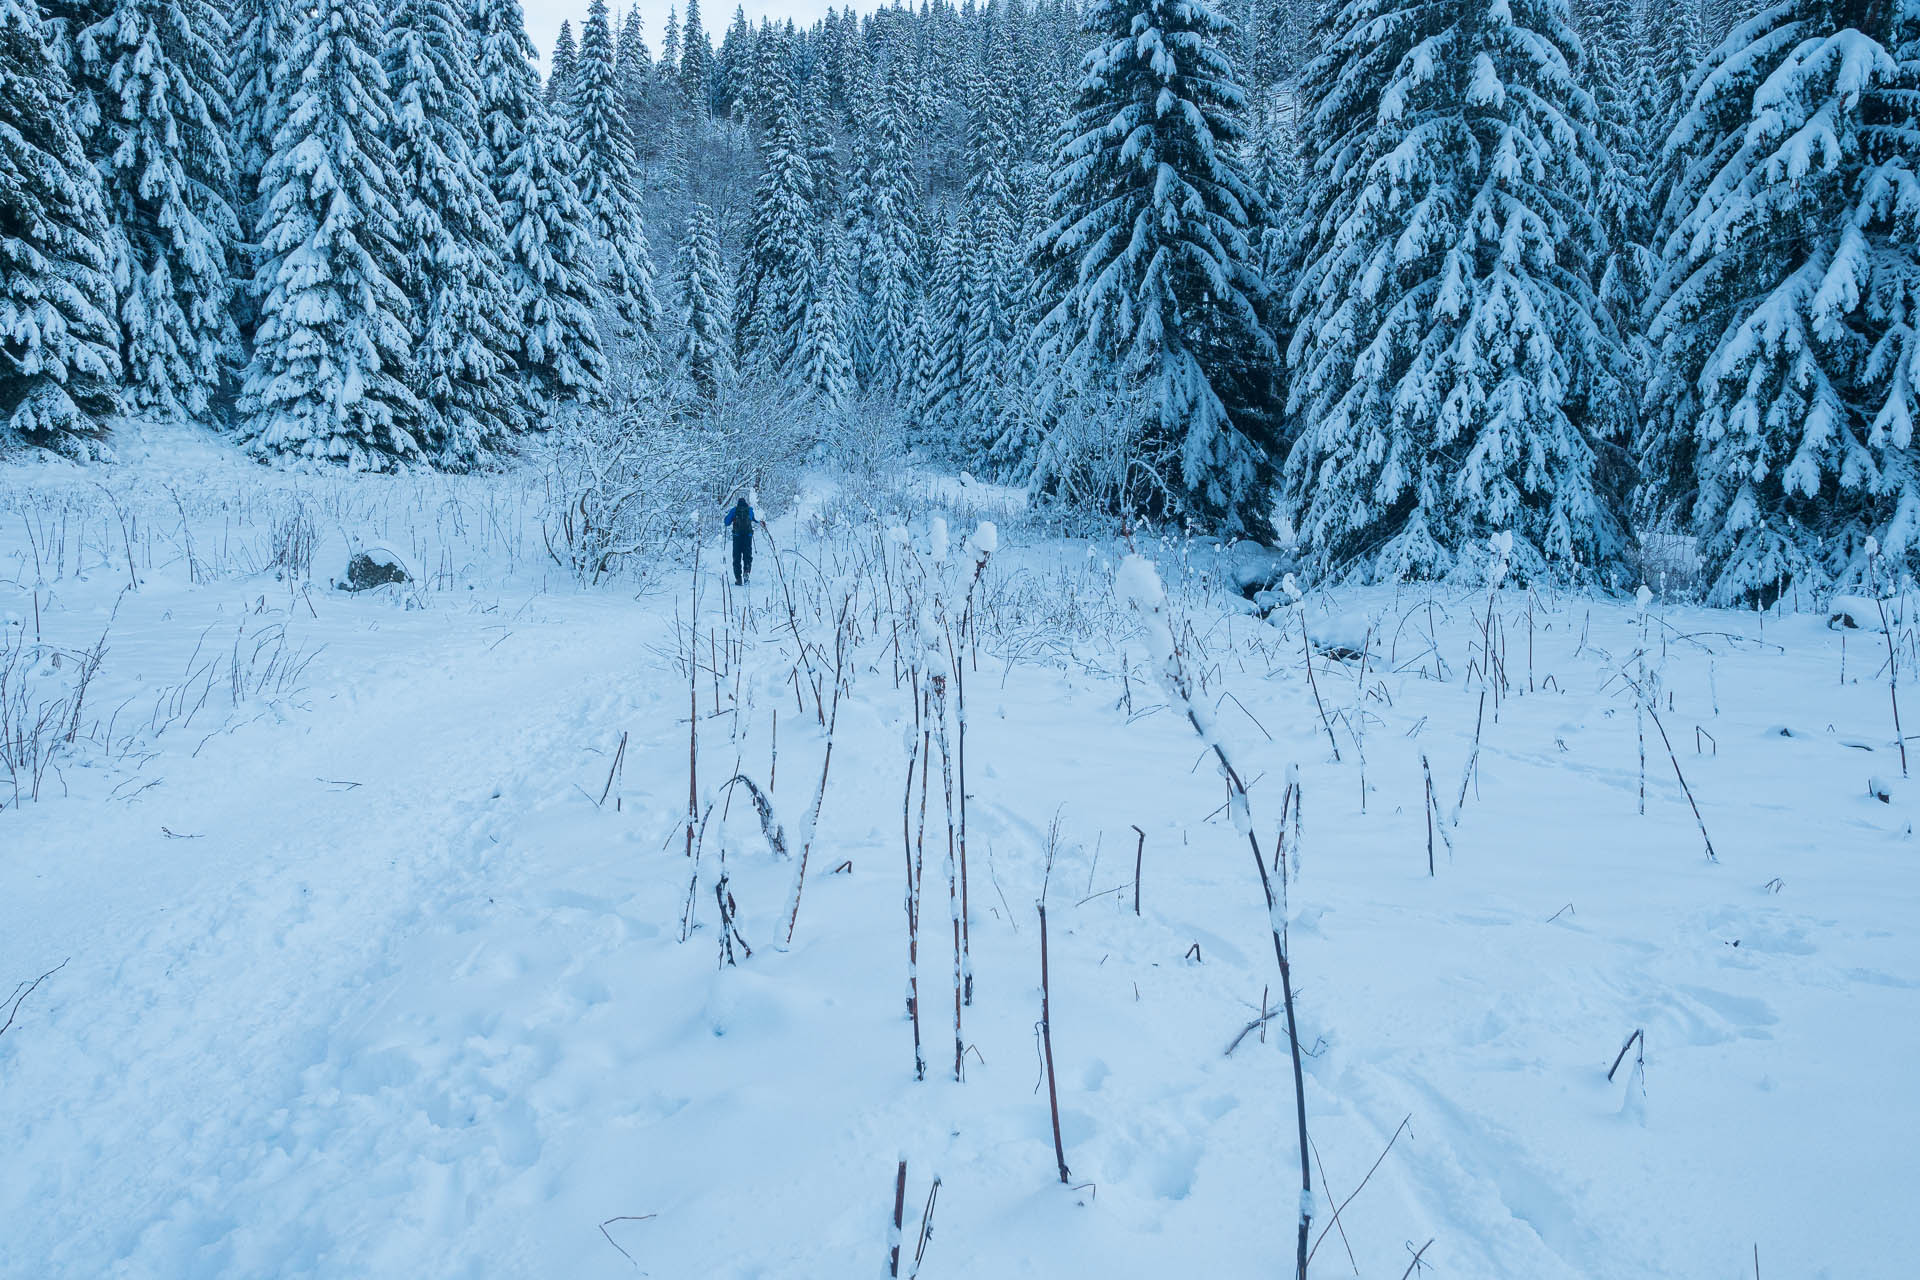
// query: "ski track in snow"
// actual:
[[440, 1023]]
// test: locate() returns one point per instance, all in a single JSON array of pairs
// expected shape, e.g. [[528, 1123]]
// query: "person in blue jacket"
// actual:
[[740, 520]]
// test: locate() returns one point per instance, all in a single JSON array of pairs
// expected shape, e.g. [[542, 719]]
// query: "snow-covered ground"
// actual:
[[369, 913]]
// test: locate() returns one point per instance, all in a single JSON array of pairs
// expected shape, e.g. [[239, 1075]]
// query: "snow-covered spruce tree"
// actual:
[[550, 268], [465, 338], [770, 305], [1626, 266], [160, 147], [1788, 319], [507, 88], [883, 194], [608, 178], [548, 255], [328, 377], [696, 60], [59, 345], [633, 63], [706, 356], [563, 69], [260, 32], [1446, 328], [995, 274], [1149, 257], [1668, 52], [670, 47], [950, 292], [821, 361], [730, 65]]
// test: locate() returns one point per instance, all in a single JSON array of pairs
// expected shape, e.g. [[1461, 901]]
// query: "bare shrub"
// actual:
[[625, 482]]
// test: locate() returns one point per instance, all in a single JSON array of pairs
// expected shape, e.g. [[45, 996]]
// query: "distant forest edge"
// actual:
[[1375, 280]]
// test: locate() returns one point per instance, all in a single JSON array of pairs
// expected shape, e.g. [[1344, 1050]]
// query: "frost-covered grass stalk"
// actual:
[[1138, 583], [937, 717], [918, 749], [693, 704], [1893, 665], [1046, 1043], [1642, 598], [842, 646], [1306, 651], [980, 548]]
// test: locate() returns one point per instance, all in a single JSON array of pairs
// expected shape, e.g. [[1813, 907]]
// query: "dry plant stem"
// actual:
[[729, 929], [926, 1227], [1180, 689], [820, 792], [1416, 1260], [624, 1218], [793, 622], [899, 1217], [1893, 692], [1327, 1182], [619, 755], [937, 717], [1357, 1190], [960, 760], [693, 705], [25, 989], [1473, 758], [1427, 770], [1139, 850], [913, 912], [1638, 1035], [1307, 650], [1293, 1037], [1691, 803], [1046, 1044]]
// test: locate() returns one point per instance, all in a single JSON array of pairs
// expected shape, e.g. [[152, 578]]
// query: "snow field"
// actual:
[[371, 980]]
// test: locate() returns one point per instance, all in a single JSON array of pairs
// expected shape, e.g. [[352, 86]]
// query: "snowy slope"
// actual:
[[373, 982]]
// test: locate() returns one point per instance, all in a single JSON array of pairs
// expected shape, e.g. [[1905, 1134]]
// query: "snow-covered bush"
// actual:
[[625, 482]]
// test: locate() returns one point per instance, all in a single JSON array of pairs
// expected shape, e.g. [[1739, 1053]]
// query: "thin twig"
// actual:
[[1357, 1190], [623, 1218], [20, 995]]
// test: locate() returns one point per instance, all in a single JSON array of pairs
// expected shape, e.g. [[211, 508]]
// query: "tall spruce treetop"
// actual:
[[548, 255], [551, 266], [1149, 257], [260, 31], [59, 346], [1669, 51], [566, 62], [632, 61], [1788, 317], [507, 87], [327, 381], [450, 222], [704, 355], [882, 196], [771, 301], [994, 276], [160, 148], [607, 179], [1627, 266], [696, 59], [1445, 324]]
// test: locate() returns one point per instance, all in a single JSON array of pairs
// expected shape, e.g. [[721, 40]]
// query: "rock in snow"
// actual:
[[376, 566]]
